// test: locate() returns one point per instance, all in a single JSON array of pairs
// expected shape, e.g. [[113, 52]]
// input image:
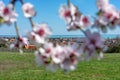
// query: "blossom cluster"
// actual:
[[74, 19], [108, 16], [93, 43], [55, 56]]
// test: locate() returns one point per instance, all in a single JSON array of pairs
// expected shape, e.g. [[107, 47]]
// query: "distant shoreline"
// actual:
[[66, 36]]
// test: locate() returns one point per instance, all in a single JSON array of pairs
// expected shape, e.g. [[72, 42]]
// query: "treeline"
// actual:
[[113, 45]]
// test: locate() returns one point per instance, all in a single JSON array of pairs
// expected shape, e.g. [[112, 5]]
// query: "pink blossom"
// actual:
[[93, 43], [38, 58], [102, 3], [70, 61], [66, 57], [42, 30], [108, 16], [67, 65], [28, 10], [35, 39], [73, 17], [7, 13], [20, 43], [69, 14], [43, 55], [84, 21], [100, 24], [39, 34], [64, 12], [2, 5], [58, 54], [45, 60]]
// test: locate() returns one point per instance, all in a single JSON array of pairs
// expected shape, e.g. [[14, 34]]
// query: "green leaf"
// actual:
[[98, 13], [1, 20]]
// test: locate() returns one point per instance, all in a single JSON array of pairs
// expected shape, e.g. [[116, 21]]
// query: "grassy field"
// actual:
[[15, 66]]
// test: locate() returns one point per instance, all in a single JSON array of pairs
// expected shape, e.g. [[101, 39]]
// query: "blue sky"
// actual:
[[47, 11]]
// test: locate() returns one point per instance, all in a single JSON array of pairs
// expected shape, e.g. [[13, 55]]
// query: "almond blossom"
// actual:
[[93, 44], [108, 15], [63, 57], [58, 54], [102, 3], [73, 17], [42, 30], [71, 59], [28, 10], [70, 14], [39, 34], [35, 39], [46, 53], [84, 21], [20, 43], [100, 24], [7, 14]]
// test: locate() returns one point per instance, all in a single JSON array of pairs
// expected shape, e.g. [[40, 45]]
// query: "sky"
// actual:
[[47, 12]]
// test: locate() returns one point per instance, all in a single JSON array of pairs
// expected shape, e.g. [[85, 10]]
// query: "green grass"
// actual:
[[15, 66]]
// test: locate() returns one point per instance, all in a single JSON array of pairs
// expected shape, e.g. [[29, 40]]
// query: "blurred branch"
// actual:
[[22, 2], [31, 22], [15, 23], [13, 1], [68, 3], [16, 28]]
